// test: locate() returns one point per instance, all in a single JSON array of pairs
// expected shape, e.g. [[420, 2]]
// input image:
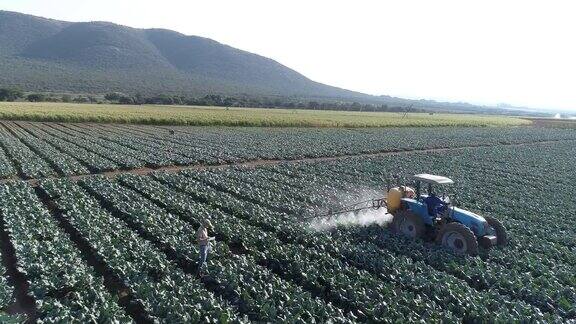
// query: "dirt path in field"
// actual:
[[261, 162]]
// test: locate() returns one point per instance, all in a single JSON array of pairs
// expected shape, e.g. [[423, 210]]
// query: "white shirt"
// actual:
[[202, 236]]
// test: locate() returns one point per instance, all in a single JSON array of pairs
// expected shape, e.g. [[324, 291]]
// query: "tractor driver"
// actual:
[[408, 192], [435, 204]]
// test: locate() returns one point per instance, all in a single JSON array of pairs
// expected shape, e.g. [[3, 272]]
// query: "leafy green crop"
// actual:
[[268, 264], [37, 150], [64, 286], [257, 285], [7, 299], [166, 293]]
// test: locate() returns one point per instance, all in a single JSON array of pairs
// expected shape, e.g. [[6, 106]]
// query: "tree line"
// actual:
[[253, 102], [10, 94], [14, 94]]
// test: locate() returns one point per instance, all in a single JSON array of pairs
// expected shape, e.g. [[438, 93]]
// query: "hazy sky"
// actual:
[[487, 52]]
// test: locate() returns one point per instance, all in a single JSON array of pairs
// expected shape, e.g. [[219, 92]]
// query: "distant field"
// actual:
[[554, 122], [218, 116]]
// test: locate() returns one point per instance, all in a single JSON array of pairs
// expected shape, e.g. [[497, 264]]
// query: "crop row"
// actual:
[[62, 163], [64, 287], [385, 266], [350, 288], [83, 152], [119, 155], [521, 212], [278, 143], [203, 152], [141, 149], [436, 257], [165, 292], [172, 153], [256, 291], [519, 215], [36, 150], [6, 168], [25, 161], [7, 297], [124, 155], [342, 181], [547, 292]]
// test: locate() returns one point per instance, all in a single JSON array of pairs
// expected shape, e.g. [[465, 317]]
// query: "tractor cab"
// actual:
[[432, 191], [429, 199]]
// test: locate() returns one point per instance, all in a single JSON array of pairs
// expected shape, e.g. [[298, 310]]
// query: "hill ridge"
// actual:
[[101, 56]]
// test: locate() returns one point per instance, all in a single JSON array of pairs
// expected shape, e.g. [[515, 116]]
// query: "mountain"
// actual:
[[39, 54]]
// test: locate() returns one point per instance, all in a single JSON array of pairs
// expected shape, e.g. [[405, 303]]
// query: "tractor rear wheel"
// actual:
[[501, 236], [458, 238], [408, 224]]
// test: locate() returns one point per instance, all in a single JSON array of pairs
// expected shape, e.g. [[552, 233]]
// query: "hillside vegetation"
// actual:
[[50, 56], [178, 115], [40, 54]]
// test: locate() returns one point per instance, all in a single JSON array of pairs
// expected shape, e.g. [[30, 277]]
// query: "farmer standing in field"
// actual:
[[204, 242]]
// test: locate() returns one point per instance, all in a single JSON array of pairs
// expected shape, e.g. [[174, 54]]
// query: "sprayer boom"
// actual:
[[354, 208]]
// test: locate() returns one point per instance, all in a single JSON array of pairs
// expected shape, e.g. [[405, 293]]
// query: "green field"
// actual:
[[218, 116], [97, 225]]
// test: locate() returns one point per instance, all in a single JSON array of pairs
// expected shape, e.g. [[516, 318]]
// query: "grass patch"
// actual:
[[218, 116]]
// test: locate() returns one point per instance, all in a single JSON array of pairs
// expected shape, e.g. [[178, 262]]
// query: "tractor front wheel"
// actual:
[[458, 238], [408, 224], [501, 237]]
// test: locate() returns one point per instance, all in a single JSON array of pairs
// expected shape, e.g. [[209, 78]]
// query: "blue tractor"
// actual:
[[427, 211]]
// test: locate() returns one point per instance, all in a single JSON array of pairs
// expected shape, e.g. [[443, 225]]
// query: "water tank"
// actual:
[[394, 199]]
